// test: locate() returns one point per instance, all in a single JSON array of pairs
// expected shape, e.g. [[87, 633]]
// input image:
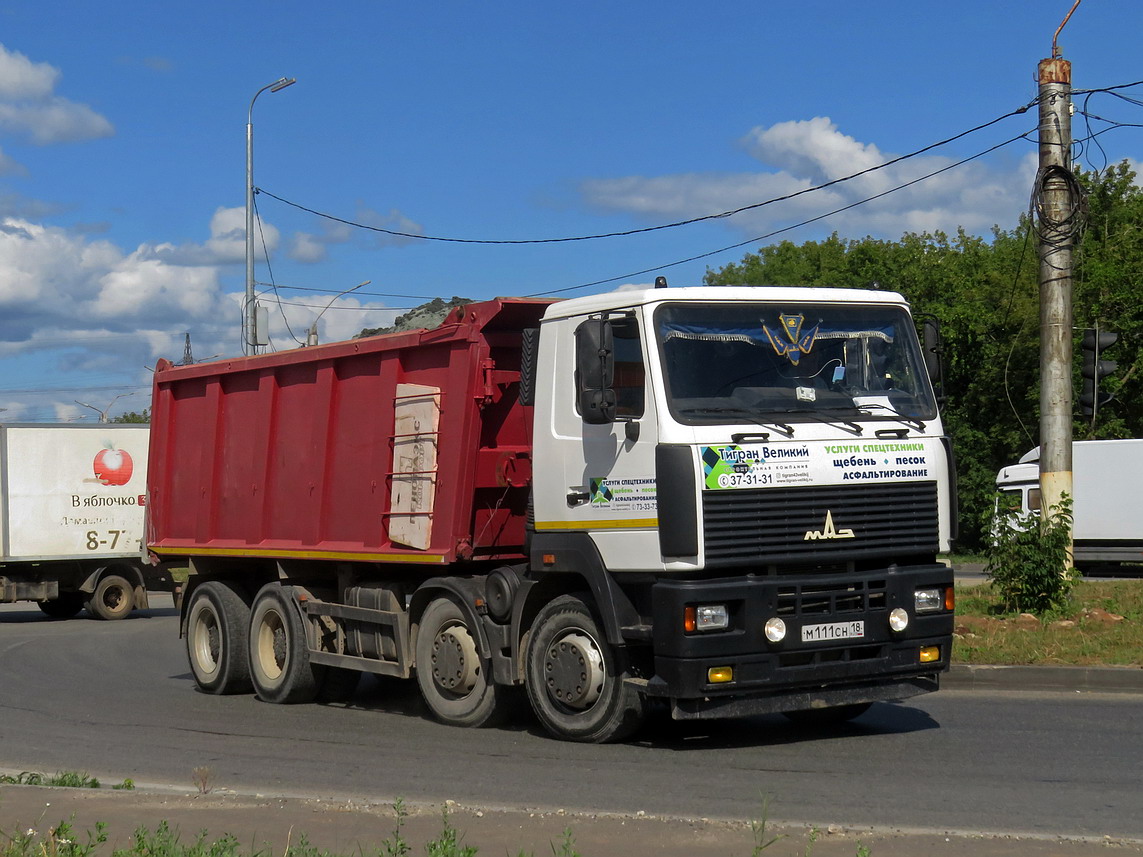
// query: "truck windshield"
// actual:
[[791, 362]]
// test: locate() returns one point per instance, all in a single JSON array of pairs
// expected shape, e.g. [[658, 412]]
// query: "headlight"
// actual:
[[929, 600], [706, 617]]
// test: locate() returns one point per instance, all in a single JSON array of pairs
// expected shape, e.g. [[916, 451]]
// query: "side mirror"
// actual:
[[932, 349], [595, 371]]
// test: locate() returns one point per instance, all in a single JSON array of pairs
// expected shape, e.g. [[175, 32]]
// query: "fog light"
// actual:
[[930, 654], [775, 630], [898, 619], [720, 675], [929, 600]]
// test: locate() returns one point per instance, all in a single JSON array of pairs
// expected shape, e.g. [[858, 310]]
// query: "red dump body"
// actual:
[[296, 454]]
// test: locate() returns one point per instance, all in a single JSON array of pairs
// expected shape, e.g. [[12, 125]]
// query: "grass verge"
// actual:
[[1101, 624], [62, 840]]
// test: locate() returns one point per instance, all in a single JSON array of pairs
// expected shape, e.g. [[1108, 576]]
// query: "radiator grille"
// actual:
[[760, 526]]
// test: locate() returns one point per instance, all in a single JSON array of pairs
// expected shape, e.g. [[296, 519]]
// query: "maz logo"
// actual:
[[829, 531]]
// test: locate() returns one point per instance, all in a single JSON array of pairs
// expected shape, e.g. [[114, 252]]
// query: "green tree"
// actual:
[[133, 417], [1108, 286]]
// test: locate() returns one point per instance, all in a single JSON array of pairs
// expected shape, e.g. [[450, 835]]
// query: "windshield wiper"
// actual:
[[911, 422], [752, 416], [822, 416]]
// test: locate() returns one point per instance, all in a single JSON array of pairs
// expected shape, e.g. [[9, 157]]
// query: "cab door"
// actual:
[[598, 476]]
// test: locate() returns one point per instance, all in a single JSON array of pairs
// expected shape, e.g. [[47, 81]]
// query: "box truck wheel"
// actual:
[[113, 598], [218, 620], [63, 607], [279, 656], [455, 682], [575, 678]]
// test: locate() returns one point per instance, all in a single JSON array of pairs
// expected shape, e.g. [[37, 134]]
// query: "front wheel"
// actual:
[[279, 656], [453, 678], [114, 597], [575, 678]]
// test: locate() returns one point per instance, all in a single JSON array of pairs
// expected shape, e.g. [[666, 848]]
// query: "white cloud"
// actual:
[[10, 167], [394, 221], [55, 120], [345, 318], [141, 288], [797, 155], [58, 284], [307, 248], [226, 245], [22, 78], [30, 107]]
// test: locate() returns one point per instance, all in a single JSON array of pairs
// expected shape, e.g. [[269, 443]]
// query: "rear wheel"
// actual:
[[218, 620], [454, 680], [113, 598], [63, 607], [279, 656], [575, 678]]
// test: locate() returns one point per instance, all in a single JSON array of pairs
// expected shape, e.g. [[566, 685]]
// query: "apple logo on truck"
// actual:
[[113, 467]]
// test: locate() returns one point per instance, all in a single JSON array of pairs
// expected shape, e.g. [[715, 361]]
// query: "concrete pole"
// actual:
[[248, 346], [249, 342], [1055, 283]]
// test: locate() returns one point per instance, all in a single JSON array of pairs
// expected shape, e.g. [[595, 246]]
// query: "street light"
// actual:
[[249, 346], [312, 336]]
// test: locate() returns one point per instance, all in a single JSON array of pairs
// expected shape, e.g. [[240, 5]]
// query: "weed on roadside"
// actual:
[[1100, 624], [163, 841], [63, 779], [59, 841]]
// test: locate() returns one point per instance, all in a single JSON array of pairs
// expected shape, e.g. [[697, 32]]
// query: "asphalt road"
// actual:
[[116, 699]]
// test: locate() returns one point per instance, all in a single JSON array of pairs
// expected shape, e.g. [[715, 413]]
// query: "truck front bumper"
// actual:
[[738, 670]]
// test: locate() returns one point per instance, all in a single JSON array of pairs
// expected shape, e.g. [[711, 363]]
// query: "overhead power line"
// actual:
[[674, 225], [789, 228]]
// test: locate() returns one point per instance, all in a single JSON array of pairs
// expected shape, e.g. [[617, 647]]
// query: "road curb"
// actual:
[[1042, 678]]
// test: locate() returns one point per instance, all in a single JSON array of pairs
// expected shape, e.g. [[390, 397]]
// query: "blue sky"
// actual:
[[122, 153]]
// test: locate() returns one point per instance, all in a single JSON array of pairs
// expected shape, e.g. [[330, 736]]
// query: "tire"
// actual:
[[280, 665], [834, 716], [113, 598], [63, 607], [575, 678], [454, 680], [218, 621]]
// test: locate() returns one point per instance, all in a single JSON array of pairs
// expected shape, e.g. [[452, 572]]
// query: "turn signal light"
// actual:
[[950, 599], [930, 654], [720, 675]]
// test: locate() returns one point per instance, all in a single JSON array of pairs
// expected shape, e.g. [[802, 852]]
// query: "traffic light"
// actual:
[[1094, 343]]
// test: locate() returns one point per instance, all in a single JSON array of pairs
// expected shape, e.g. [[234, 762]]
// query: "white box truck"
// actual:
[[71, 518], [1106, 495]]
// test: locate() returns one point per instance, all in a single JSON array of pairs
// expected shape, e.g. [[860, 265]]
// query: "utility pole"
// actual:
[[1055, 214]]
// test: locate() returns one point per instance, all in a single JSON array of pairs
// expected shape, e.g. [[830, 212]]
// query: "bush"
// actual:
[[1028, 558]]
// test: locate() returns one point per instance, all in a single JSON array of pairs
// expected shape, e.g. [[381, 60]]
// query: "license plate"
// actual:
[[833, 631]]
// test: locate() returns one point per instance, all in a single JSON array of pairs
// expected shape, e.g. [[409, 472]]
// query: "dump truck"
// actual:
[[711, 501], [1106, 529], [71, 518]]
